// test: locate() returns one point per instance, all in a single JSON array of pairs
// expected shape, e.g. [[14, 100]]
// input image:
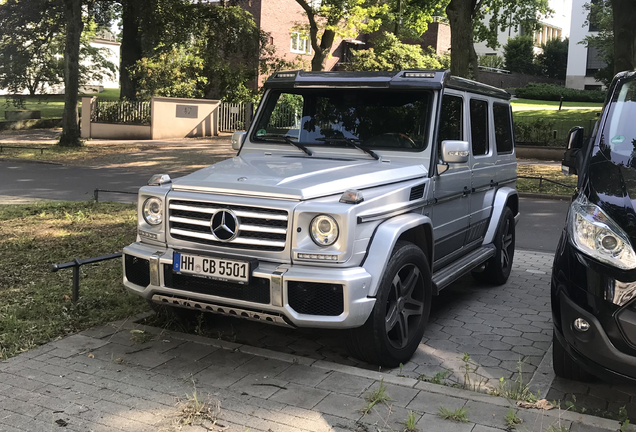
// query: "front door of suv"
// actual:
[[451, 211], [483, 167]]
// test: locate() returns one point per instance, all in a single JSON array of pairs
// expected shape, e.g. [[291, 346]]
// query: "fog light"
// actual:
[[581, 325]]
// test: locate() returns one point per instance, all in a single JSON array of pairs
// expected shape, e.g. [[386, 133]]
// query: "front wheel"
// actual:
[[498, 268], [395, 327]]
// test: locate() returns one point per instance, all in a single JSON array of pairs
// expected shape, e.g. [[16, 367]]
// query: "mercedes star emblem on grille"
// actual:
[[224, 225]]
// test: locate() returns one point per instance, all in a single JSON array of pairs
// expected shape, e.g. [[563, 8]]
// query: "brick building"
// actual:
[[279, 18]]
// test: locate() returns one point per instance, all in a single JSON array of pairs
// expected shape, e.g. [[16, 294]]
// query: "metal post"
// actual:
[[540, 182], [76, 277], [560, 103], [96, 195]]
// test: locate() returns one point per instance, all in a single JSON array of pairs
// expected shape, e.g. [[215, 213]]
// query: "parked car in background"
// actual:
[[594, 272], [354, 198]]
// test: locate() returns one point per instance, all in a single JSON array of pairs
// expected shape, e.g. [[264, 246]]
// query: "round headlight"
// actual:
[[153, 211], [324, 230]]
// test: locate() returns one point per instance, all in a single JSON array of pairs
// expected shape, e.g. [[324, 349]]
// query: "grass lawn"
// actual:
[[583, 115], [53, 105], [520, 103], [546, 171], [35, 305]]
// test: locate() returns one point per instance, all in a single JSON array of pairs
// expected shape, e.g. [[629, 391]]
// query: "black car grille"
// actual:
[[137, 270], [256, 291], [314, 298]]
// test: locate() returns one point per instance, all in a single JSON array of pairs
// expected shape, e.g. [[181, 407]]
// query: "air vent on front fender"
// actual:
[[417, 192]]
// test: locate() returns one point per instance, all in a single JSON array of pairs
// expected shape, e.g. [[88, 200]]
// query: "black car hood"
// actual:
[[613, 188]]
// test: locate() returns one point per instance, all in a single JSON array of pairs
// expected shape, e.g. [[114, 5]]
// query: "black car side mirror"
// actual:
[[575, 144]]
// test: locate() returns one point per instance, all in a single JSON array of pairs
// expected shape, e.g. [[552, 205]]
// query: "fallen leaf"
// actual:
[[90, 355], [542, 404], [61, 423], [66, 297]]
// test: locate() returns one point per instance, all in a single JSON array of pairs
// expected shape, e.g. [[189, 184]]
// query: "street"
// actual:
[[539, 227]]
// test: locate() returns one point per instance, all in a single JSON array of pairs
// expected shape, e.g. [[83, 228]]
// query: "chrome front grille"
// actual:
[[258, 228]]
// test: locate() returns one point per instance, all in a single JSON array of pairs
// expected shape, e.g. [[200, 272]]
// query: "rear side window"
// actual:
[[503, 127], [450, 120], [479, 126]]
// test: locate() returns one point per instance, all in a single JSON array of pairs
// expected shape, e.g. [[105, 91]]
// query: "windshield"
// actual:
[[619, 132], [367, 118]]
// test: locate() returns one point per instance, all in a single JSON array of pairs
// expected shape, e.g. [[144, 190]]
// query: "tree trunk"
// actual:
[[321, 54], [131, 48], [463, 54], [74, 26], [624, 12]]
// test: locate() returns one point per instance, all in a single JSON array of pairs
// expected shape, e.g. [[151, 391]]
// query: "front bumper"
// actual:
[[277, 280], [579, 289]]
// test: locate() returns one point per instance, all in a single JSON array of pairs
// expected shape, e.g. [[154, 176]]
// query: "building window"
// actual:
[[300, 43], [545, 33]]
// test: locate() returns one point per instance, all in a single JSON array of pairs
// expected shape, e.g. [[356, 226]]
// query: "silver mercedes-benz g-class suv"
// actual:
[[354, 198]]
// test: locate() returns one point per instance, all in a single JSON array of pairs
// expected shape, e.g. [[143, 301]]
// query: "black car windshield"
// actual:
[[368, 118], [619, 133]]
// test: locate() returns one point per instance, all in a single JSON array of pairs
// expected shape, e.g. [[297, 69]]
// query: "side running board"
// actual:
[[449, 274]]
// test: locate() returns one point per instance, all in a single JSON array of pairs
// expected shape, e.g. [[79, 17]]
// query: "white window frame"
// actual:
[[300, 38]]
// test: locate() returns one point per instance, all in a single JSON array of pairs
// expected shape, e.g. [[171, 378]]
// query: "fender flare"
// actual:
[[504, 197], [384, 240]]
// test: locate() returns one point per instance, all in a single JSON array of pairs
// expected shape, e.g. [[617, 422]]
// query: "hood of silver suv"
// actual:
[[295, 177]]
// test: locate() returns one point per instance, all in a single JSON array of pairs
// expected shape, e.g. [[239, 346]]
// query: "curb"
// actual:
[[545, 196], [32, 161], [556, 414]]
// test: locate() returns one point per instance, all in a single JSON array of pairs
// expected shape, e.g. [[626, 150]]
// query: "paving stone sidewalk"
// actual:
[[108, 379]]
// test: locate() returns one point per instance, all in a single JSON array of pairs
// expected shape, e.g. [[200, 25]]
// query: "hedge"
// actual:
[[553, 92]]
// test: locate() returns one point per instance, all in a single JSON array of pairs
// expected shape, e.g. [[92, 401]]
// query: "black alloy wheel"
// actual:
[[405, 305], [497, 269], [395, 327]]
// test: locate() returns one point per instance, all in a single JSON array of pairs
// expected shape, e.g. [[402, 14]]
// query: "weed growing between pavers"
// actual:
[[35, 304], [193, 411], [377, 396], [458, 415], [516, 389], [512, 420], [409, 423]]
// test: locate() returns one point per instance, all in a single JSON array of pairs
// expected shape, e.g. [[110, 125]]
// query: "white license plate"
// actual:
[[213, 268]]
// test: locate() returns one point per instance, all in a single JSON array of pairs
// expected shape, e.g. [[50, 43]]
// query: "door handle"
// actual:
[[466, 191]]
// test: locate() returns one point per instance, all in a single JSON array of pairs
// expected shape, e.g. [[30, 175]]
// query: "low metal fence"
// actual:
[[41, 149], [76, 264], [125, 112]]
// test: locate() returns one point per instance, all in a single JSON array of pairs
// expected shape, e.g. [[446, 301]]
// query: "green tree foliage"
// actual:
[[519, 54], [209, 61], [468, 20], [600, 16], [389, 53], [492, 61], [553, 61]]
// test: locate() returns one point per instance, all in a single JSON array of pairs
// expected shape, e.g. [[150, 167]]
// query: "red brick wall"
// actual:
[[278, 17]]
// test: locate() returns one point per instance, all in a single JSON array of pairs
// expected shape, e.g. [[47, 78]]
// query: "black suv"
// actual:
[[594, 271]]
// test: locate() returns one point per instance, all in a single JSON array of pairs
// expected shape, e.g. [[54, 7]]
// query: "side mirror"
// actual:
[[455, 151], [237, 139], [575, 144]]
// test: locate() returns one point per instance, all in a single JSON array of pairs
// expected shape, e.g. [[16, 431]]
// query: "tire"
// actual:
[[565, 366], [497, 269], [395, 327]]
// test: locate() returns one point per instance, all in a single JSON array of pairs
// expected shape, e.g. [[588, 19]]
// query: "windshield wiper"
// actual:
[[352, 142], [289, 141]]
